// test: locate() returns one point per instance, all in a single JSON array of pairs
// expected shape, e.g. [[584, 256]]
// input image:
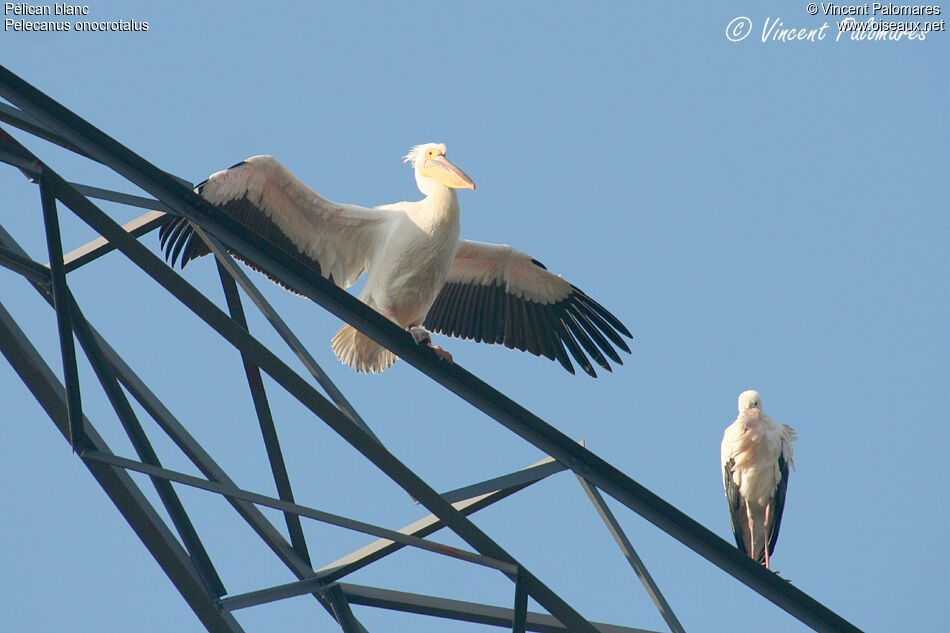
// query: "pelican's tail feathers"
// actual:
[[360, 352]]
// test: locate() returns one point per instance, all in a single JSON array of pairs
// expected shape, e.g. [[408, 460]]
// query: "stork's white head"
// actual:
[[750, 400], [433, 169]]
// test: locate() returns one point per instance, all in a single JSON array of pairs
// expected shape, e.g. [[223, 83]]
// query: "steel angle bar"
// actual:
[[503, 409], [519, 618], [143, 447], [613, 526], [341, 609], [19, 119], [463, 611], [127, 199], [272, 594], [224, 259], [131, 503], [542, 469], [100, 246], [184, 201], [188, 445], [304, 511], [63, 318], [430, 524], [32, 270], [268, 430], [309, 397], [28, 168]]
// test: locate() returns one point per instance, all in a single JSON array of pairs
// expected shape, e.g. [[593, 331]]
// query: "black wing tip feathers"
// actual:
[[538, 264], [602, 311], [576, 328]]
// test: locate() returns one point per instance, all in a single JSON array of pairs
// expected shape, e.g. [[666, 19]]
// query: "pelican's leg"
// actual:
[[420, 335]]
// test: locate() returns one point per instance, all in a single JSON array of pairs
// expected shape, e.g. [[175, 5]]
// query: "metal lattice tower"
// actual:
[[178, 548]]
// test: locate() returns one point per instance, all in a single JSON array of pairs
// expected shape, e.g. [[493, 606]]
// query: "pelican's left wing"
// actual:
[[497, 294], [332, 239]]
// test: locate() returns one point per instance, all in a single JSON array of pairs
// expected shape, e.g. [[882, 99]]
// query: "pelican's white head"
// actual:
[[750, 400], [433, 169]]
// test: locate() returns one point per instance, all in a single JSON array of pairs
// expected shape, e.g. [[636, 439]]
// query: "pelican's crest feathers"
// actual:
[[417, 152]]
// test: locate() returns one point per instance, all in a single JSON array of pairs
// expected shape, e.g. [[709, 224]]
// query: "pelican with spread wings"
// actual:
[[420, 274]]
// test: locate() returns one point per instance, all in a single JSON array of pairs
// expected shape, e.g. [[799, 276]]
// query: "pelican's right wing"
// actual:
[[334, 240], [497, 294]]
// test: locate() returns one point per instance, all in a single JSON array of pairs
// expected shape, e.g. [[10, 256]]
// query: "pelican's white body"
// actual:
[[411, 251], [409, 270], [405, 273]]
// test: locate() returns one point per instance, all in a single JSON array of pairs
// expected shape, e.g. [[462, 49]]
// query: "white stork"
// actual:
[[419, 273], [755, 455]]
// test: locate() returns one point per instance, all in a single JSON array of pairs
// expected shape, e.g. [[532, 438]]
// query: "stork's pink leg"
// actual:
[[766, 532], [748, 514]]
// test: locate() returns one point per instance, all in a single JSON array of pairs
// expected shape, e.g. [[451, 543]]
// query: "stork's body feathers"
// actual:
[[755, 457], [418, 270]]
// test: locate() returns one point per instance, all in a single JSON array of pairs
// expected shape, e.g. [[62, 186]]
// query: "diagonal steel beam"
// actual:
[[185, 442], [144, 521], [304, 511], [463, 611], [316, 583], [431, 523], [20, 119], [529, 475], [368, 446], [341, 608], [227, 262], [143, 447], [519, 618], [63, 318], [101, 246], [33, 271], [613, 526], [453, 377], [268, 430]]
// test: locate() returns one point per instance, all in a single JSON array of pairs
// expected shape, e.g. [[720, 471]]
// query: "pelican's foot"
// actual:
[[420, 335], [441, 353]]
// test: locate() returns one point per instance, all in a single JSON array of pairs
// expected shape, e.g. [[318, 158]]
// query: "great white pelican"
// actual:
[[419, 273]]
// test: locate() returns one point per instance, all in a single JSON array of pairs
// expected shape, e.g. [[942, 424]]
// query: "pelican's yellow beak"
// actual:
[[445, 172]]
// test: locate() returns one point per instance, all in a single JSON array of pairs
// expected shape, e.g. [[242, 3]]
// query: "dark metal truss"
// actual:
[[178, 549]]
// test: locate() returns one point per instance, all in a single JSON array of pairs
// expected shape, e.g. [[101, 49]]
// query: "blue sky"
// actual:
[[767, 215]]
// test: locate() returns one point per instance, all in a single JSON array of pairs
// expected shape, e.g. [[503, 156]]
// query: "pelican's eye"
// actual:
[[430, 153]]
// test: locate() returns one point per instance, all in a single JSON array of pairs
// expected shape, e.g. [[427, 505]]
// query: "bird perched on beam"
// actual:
[[419, 273], [755, 456]]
